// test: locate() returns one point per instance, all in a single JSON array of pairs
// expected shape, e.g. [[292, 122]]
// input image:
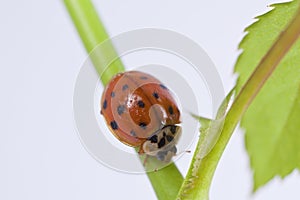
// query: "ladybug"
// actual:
[[141, 112]]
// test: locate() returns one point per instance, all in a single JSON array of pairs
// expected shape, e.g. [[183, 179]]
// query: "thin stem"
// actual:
[[93, 33], [199, 177], [167, 181]]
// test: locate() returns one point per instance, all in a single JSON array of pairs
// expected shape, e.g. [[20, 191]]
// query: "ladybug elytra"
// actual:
[[141, 112]]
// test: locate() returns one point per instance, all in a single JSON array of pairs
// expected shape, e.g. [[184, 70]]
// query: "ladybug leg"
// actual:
[[141, 150], [145, 160]]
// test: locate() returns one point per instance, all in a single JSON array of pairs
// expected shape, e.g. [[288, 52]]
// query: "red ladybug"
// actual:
[[141, 112]]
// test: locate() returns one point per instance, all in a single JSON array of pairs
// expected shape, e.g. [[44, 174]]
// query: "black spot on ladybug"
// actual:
[[143, 77], [143, 125], [153, 139], [112, 94], [125, 87], [114, 125], [173, 129], [105, 104], [163, 87], [169, 138], [121, 109], [171, 111], [141, 104], [164, 134], [161, 143], [133, 133], [155, 94]]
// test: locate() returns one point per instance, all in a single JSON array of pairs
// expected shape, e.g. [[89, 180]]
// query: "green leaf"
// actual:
[[272, 122]]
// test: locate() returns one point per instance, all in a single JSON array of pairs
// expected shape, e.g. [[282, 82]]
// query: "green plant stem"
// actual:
[[199, 177], [93, 33], [167, 181]]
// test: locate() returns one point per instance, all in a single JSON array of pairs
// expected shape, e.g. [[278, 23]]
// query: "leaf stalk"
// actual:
[[198, 180]]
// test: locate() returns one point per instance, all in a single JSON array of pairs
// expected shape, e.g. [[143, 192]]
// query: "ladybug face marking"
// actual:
[[141, 112], [163, 143]]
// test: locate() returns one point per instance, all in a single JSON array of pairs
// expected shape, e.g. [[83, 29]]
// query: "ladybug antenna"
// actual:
[[183, 152]]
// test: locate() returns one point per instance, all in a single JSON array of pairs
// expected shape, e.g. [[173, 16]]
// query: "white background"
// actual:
[[40, 57]]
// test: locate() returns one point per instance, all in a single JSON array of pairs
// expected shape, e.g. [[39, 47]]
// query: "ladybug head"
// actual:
[[162, 143]]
